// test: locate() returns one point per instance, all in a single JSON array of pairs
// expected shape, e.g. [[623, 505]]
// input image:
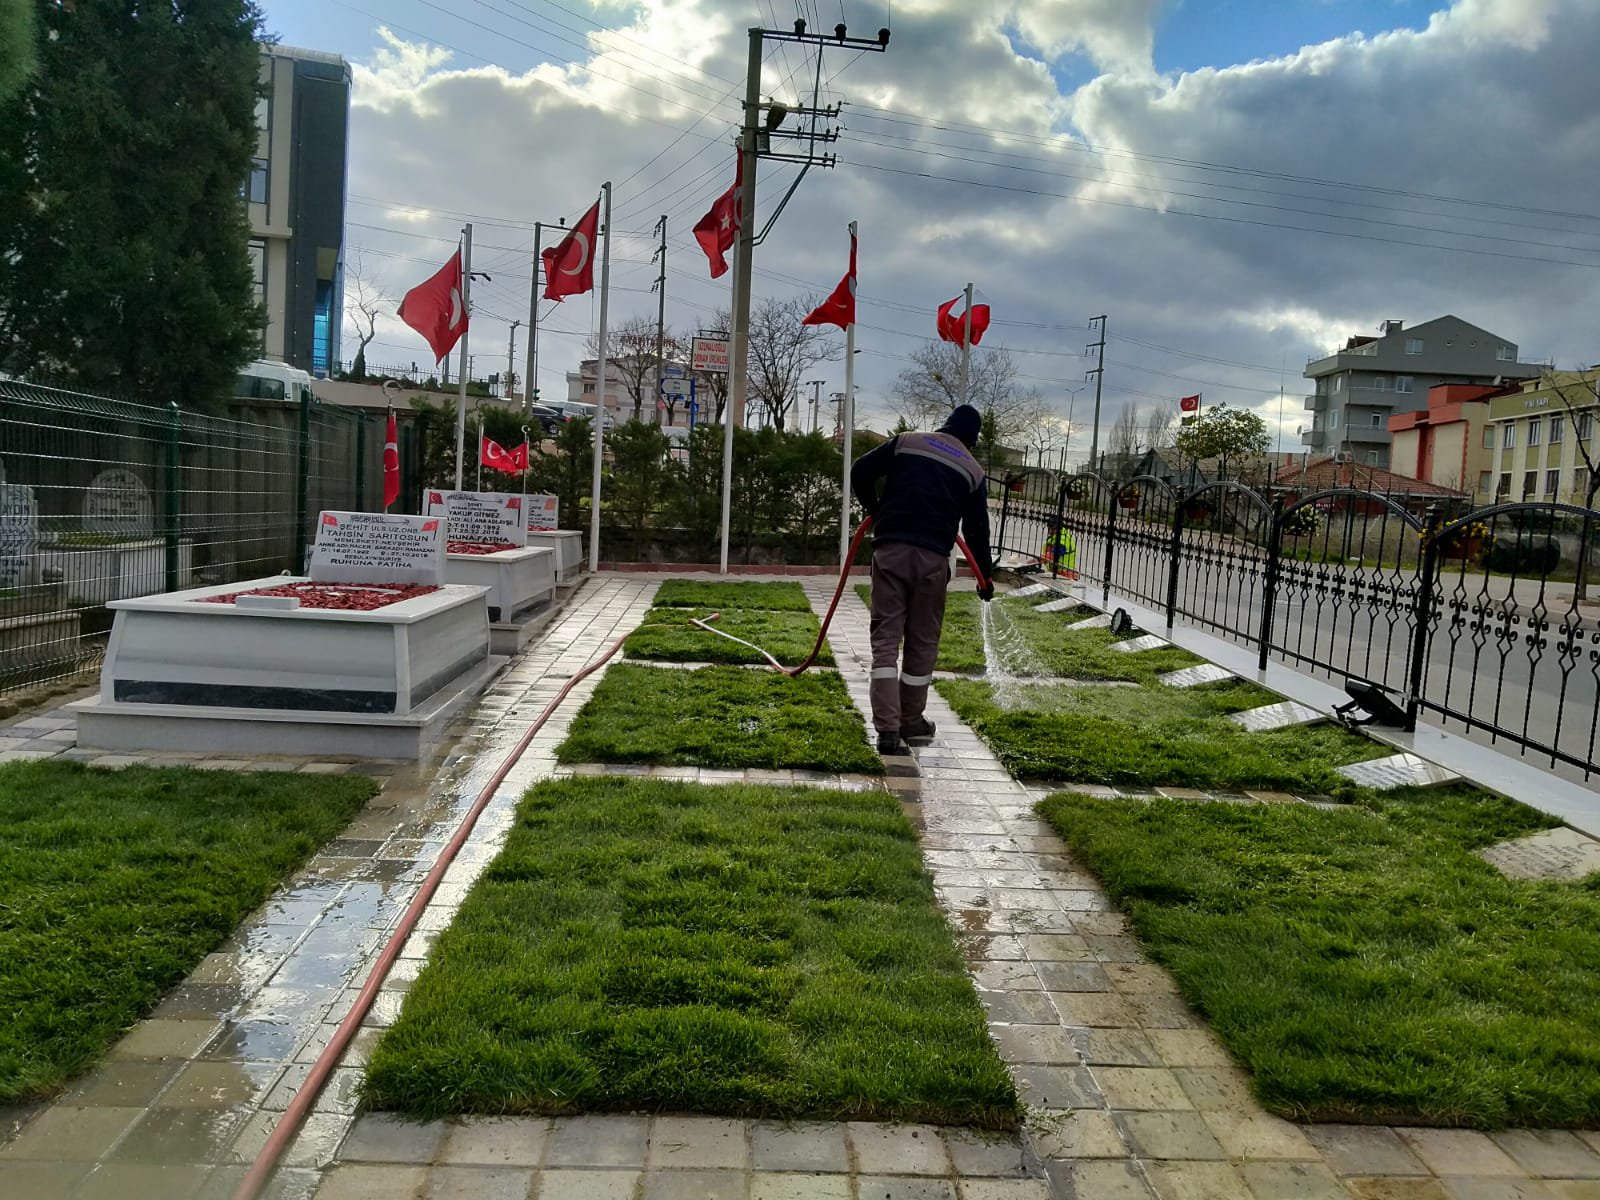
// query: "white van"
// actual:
[[578, 410], [268, 380]]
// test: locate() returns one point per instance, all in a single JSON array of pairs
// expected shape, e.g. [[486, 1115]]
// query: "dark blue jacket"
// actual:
[[923, 488]]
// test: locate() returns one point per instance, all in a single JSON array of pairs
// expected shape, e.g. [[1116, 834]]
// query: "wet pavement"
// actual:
[[1129, 1094]]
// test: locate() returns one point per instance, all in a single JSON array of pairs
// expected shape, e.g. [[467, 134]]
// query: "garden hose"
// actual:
[[844, 576]]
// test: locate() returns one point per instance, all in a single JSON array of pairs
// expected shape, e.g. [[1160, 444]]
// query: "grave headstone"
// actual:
[[1551, 854], [544, 514], [378, 548], [117, 504], [19, 533], [478, 516]]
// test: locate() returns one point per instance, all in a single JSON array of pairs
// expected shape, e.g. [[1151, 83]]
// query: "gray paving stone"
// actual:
[[976, 1153], [697, 1142], [898, 1149], [1552, 1152], [496, 1141], [810, 1147], [1398, 770], [1005, 1189], [1364, 1150], [478, 1183], [1056, 1087], [1291, 1181], [800, 1187], [583, 1185], [892, 1187], [1171, 1135], [1099, 1180], [695, 1185], [598, 1142], [1459, 1152], [1196, 1181], [379, 1137], [364, 1181]]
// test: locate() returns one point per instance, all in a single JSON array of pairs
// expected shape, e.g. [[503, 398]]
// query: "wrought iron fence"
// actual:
[[1478, 619], [102, 500]]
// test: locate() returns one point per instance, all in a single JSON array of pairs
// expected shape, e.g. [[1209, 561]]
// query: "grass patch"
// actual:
[[1132, 737], [1087, 653], [114, 884], [715, 594], [666, 636], [647, 945], [960, 640], [1364, 964], [720, 717]]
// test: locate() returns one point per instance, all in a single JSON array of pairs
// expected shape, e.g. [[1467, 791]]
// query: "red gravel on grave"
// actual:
[[344, 597], [479, 547]]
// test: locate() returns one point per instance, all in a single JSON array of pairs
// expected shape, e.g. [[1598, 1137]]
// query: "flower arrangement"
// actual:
[[1302, 522], [1128, 496]]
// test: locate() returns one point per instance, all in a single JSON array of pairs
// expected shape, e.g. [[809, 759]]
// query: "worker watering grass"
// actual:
[[1061, 552], [920, 490]]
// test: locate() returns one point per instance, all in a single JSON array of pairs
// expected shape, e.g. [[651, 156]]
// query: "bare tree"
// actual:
[[1580, 398], [1123, 439], [1039, 427], [925, 392], [782, 351], [364, 299], [1157, 428], [631, 353]]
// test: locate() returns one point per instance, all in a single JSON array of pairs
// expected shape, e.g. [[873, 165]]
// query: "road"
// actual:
[[1334, 620]]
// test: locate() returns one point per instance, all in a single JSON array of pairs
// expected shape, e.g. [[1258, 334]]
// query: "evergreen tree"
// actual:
[[17, 53], [123, 231]]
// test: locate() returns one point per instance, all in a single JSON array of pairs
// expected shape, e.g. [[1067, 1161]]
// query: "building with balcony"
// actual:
[[296, 195], [1444, 443], [1358, 388], [1542, 438]]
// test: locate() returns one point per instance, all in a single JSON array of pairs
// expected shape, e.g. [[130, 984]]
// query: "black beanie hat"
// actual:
[[965, 422]]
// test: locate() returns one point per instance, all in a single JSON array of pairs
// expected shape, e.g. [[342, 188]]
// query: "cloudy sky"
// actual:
[[1237, 184]]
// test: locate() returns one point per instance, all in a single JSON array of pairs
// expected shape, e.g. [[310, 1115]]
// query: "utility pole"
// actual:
[[1098, 371], [511, 359], [466, 367], [966, 346], [660, 287], [530, 384], [816, 400]]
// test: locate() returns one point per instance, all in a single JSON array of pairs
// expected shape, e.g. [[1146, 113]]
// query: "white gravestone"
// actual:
[[19, 533], [544, 513], [117, 504], [378, 548], [488, 517]]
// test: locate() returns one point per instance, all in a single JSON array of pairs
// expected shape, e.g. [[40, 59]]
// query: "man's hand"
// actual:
[[986, 592]]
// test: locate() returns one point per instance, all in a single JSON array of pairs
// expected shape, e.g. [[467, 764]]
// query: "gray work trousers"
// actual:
[[908, 588]]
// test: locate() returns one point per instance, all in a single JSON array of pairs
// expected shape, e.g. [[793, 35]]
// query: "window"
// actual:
[[1488, 437], [1338, 383], [1552, 482], [1585, 427], [1505, 353], [1402, 383], [587, 388], [258, 268], [1377, 420], [1484, 480], [1505, 484], [1511, 437], [1535, 426], [1558, 428], [263, 112], [1380, 383], [1372, 458], [1413, 345], [1333, 419], [256, 191], [1580, 483], [1530, 480]]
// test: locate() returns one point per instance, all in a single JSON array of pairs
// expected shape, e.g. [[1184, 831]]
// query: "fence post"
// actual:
[[173, 522], [1056, 526], [1175, 552], [303, 491], [1419, 618], [361, 463], [1005, 509], [1270, 592], [1111, 541]]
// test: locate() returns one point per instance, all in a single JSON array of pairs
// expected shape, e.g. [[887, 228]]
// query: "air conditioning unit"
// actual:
[[1344, 456]]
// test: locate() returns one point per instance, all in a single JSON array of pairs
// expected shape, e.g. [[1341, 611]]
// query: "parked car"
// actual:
[[550, 420], [576, 409]]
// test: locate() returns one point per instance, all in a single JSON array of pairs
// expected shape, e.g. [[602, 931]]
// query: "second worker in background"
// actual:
[[920, 489]]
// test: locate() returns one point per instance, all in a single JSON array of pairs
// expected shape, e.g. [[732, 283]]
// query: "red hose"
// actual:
[[300, 1107]]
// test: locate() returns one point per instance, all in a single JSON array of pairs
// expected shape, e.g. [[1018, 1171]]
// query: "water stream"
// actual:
[[1011, 664]]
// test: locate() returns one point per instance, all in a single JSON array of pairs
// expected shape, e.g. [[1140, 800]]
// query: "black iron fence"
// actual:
[[1480, 618], [101, 500]]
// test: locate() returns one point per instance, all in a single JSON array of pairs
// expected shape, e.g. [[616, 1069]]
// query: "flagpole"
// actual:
[[727, 428], [525, 442], [966, 344], [529, 382], [849, 414], [466, 329], [600, 383]]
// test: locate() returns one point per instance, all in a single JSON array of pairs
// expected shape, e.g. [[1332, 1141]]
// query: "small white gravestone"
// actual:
[[19, 532], [117, 504], [478, 516], [378, 548], [544, 514]]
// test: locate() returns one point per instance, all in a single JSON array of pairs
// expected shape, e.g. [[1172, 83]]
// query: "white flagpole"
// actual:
[[600, 384], [849, 422], [727, 422], [530, 382], [966, 344], [466, 316]]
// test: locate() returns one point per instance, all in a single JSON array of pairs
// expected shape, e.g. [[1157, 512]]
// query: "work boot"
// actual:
[[891, 744], [920, 730]]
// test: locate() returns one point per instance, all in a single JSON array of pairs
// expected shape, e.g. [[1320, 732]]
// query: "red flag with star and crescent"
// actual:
[[436, 310], [951, 328], [840, 307], [717, 230], [569, 265]]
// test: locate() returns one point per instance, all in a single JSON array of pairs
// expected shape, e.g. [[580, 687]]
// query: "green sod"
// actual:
[[1141, 737], [961, 639], [720, 717], [655, 946], [1087, 653], [1364, 964], [666, 636], [114, 884], [715, 594]]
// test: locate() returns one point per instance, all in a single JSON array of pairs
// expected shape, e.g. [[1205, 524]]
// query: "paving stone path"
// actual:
[[1130, 1095]]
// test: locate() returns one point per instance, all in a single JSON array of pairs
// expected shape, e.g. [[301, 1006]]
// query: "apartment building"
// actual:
[[1443, 443], [1359, 387], [296, 195], [1542, 438]]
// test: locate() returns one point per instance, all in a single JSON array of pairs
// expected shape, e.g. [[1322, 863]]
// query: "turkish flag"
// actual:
[[391, 465], [717, 230], [840, 307], [569, 265], [436, 310], [951, 328], [1189, 403], [495, 456]]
